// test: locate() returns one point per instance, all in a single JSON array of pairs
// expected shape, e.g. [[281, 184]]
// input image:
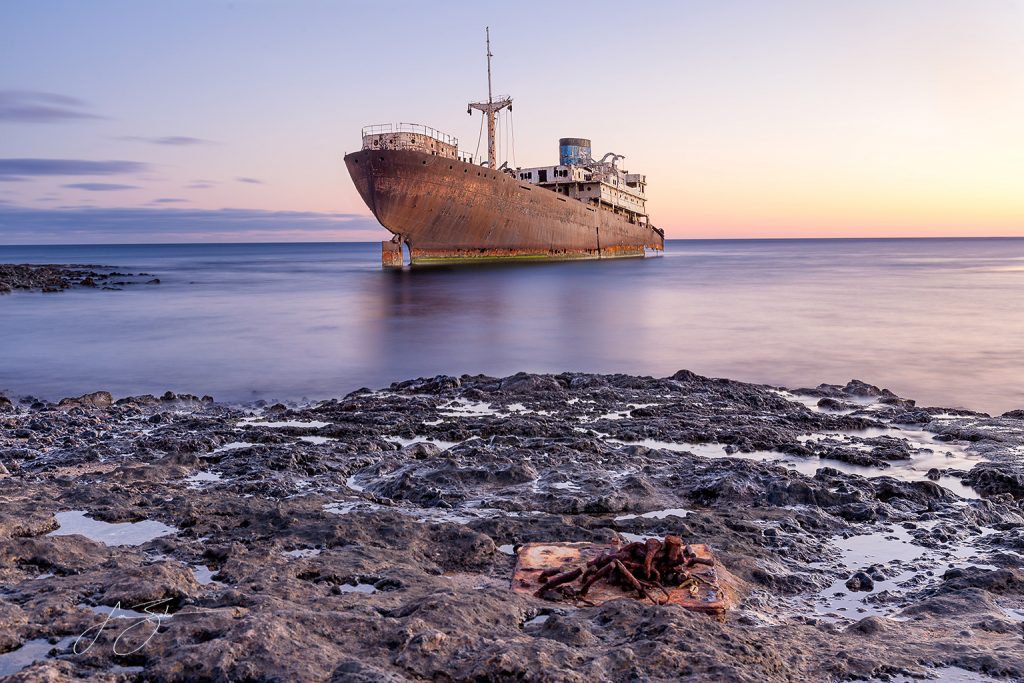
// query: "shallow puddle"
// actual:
[[364, 588], [32, 651], [520, 408], [463, 408], [900, 561], [707, 450], [948, 674], [857, 402], [943, 456], [316, 440], [199, 479], [917, 439], [403, 442], [203, 574], [624, 413], [350, 506], [276, 424], [460, 515], [1013, 613], [656, 514], [123, 533], [234, 445]]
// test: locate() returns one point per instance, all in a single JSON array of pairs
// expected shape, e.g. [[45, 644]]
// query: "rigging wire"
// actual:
[[507, 153], [512, 126], [476, 154]]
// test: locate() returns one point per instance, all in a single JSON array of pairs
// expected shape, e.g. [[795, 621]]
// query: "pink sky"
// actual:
[[750, 119]]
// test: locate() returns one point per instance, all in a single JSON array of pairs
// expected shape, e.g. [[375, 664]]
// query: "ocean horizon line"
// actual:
[[932, 238]]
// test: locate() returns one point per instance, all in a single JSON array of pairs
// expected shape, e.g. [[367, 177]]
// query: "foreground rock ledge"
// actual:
[[335, 542]]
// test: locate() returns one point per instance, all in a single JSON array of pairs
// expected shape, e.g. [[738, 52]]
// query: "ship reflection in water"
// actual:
[[937, 320]]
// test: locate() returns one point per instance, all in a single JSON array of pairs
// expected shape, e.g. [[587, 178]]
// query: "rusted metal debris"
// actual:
[[665, 571]]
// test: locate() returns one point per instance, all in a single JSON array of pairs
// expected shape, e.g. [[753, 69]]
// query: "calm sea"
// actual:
[[938, 320]]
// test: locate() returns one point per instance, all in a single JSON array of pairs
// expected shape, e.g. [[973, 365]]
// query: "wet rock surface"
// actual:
[[372, 537], [57, 278]]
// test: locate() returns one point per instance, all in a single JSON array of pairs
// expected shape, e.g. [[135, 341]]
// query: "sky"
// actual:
[[204, 120]]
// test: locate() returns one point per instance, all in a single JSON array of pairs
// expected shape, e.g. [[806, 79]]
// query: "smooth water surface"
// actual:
[[938, 320]]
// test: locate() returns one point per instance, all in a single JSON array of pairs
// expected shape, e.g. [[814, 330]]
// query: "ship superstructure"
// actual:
[[444, 205], [598, 183]]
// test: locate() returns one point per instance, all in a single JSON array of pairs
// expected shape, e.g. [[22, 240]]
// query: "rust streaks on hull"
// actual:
[[391, 254], [448, 211]]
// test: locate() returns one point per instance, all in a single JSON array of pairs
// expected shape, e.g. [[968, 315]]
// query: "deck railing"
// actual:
[[385, 128]]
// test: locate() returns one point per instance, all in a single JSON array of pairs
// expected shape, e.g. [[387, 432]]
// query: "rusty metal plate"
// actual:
[[714, 595]]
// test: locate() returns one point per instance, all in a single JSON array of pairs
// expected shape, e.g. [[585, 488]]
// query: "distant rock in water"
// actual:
[[57, 278]]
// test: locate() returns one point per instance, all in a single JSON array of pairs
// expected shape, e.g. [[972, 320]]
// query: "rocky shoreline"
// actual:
[[50, 278], [372, 537]]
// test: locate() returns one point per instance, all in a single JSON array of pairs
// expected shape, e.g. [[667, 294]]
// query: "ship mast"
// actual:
[[490, 108]]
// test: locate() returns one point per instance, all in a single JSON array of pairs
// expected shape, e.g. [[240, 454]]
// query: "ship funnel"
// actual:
[[573, 151]]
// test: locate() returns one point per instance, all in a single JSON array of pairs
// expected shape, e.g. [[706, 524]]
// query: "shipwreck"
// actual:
[[447, 206]]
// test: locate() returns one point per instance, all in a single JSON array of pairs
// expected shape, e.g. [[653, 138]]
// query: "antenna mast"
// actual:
[[490, 108], [489, 55]]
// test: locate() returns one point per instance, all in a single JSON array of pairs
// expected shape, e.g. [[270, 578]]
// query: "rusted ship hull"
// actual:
[[447, 210]]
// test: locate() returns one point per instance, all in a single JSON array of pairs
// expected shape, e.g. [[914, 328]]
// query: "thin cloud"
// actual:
[[168, 200], [171, 140], [254, 181], [19, 169], [84, 224], [29, 106], [199, 186], [100, 187]]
